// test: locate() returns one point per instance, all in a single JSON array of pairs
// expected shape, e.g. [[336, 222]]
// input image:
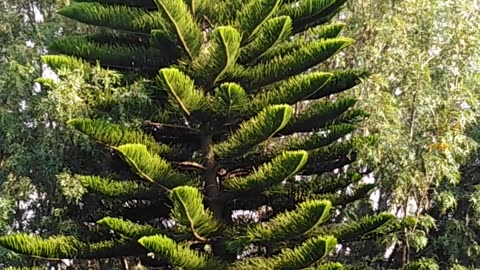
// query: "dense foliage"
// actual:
[[225, 135], [422, 99]]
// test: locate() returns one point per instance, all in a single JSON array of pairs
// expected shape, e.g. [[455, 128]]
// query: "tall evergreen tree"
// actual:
[[234, 155]]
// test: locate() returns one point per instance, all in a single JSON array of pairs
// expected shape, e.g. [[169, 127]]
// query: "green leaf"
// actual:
[[253, 15], [58, 62], [254, 131], [274, 31], [291, 91], [127, 228], [152, 167], [318, 114], [114, 16], [93, 49], [327, 266], [279, 169], [52, 247], [181, 89], [229, 99], [308, 253], [213, 64], [296, 62], [58, 247], [111, 188], [179, 256], [357, 230], [305, 218], [305, 9], [192, 217], [116, 135], [181, 25], [325, 31]]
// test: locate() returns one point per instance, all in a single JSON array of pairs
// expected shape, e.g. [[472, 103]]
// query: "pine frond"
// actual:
[[356, 230], [208, 9], [118, 17], [303, 256], [115, 55], [322, 184], [214, 63], [116, 135], [128, 228], [181, 90], [229, 98], [325, 31], [341, 81], [291, 91], [280, 168], [317, 115], [179, 256], [181, 26], [318, 139], [301, 24], [253, 15], [146, 4], [346, 198], [311, 251], [190, 214], [254, 131], [151, 166], [327, 266], [302, 11], [111, 188], [305, 218], [321, 32], [353, 116], [282, 67], [54, 247], [273, 32], [58, 62]]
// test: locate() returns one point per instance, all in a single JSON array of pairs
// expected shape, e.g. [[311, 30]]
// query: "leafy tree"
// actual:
[[35, 145], [422, 98], [229, 135]]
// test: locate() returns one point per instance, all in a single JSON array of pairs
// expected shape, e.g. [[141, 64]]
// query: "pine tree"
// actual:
[[239, 142]]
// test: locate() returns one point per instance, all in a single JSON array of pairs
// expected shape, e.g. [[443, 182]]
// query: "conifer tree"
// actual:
[[238, 142]]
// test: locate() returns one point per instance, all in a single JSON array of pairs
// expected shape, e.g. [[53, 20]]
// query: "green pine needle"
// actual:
[[273, 32], [291, 91], [305, 218], [280, 168], [116, 135], [58, 62], [318, 114], [151, 166], [181, 26], [306, 9], [254, 131], [296, 62], [177, 255], [310, 252], [253, 15], [215, 62], [229, 98], [119, 17], [181, 89], [190, 214], [111, 188], [128, 228]]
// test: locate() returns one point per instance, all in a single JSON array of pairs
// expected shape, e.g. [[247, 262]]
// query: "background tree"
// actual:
[[215, 126], [35, 146], [422, 99]]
